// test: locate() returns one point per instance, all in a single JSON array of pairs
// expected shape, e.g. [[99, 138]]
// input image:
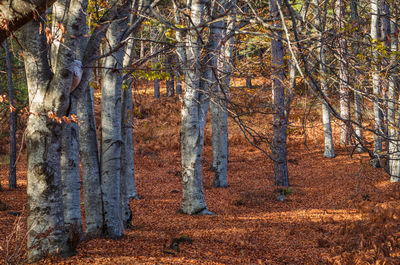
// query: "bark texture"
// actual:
[[12, 176], [376, 84], [16, 13], [194, 113], [326, 116], [111, 137], [345, 131], [278, 145]]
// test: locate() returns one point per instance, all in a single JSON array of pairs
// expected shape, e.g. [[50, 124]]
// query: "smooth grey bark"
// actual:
[[59, 17], [12, 176], [70, 145], [16, 13], [111, 137], [170, 83], [88, 143], [178, 75], [357, 92], [179, 50], [155, 65], [278, 145], [393, 134], [376, 84], [71, 183], [218, 106], [90, 164], [345, 131], [48, 94], [326, 116], [194, 113], [385, 33], [128, 186]]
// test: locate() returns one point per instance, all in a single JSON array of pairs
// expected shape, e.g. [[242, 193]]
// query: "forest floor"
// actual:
[[338, 210]]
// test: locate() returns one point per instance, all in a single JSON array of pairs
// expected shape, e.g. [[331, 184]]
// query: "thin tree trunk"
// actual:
[[376, 84], [326, 116], [179, 50], [170, 84], [278, 145], [89, 150], [393, 134], [128, 187], [12, 177], [90, 164], [357, 95], [218, 106], [345, 131], [155, 64]]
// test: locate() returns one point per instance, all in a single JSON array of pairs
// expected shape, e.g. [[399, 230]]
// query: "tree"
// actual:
[[326, 116], [16, 13], [12, 178], [219, 102], [194, 113], [376, 84], [345, 131], [278, 145], [49, 100], [111, 138]]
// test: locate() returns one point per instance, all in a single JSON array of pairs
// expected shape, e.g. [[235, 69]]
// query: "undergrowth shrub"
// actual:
[[375, 239]]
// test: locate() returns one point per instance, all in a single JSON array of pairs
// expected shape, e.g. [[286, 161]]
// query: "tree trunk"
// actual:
[[48, 96], [194, 113], [12, 177], [170, 84], [393, 134], [70, 143], [345, 131], [128, 187], [90, 164], [179, 50], [278, 145], [357, 93], [111, 137], [16, 13], [326, 116], [376, 85], [218, 106]]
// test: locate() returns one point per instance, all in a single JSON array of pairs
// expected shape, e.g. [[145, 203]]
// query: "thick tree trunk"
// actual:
[[12, 176], [16, 13], [111, 137], [278, 145], [326, 116], [70, 145], [194, 113], [48, 95]]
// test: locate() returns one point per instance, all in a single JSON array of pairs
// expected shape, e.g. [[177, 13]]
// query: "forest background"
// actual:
[[304, 94]]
